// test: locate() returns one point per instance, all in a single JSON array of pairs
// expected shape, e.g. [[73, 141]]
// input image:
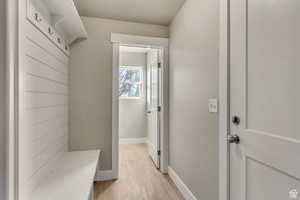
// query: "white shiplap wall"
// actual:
[[43, 107]]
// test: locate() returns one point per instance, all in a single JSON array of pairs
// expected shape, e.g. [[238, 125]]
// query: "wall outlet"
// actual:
[[213, 105]]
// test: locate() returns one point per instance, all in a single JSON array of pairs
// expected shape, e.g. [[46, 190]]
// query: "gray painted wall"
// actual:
[[91, 84], [2, 100], [132, 112], [194, 59]]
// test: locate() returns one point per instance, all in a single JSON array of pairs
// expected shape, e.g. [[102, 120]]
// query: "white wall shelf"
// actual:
[[60, 16]]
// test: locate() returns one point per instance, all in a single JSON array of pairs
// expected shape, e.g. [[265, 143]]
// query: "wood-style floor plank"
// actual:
[[139, 179]]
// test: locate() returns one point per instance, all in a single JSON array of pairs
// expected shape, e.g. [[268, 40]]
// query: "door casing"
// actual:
[[11, 75], [224, 107], [118, 40]]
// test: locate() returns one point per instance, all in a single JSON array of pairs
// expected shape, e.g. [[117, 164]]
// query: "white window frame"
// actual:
[[139, 68]]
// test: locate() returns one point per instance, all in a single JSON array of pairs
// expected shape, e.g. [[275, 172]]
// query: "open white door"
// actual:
[[265, 111], [153, 106]]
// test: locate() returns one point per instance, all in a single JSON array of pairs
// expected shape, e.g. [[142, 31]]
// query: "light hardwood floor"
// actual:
[[139, 179]]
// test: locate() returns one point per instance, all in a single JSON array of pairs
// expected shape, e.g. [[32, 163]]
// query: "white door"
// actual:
[[153, 106], [265, 97]]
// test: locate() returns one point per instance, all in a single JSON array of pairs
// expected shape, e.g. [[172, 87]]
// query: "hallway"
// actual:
[[139, 179]]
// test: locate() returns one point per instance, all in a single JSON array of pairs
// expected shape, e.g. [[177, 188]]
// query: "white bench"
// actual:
[[71, 177]]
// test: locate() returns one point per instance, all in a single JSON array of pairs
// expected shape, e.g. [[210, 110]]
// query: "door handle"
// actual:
[[233, 139], [148, 112]]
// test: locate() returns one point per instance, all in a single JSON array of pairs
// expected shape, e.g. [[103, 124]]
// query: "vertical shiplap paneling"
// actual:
[[43, 108]]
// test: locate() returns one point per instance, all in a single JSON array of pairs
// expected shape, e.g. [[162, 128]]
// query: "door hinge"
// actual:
[[159, 108], [159, 65], [158, 152]]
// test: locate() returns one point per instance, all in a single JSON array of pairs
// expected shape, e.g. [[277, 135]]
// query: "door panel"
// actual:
[[256, 171], [273, 66], [153, 115], [264, 70]]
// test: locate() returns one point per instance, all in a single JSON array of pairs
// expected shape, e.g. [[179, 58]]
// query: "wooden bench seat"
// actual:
[[70, 178]]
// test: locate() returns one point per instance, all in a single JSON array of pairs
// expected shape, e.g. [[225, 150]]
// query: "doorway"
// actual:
[[140, 99]]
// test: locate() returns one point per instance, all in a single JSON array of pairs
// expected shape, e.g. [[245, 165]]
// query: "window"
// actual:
[[131, 82]]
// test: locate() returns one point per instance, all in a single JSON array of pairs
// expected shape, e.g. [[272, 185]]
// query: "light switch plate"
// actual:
[[213, 105]]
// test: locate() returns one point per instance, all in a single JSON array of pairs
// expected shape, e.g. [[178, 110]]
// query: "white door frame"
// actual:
[[117, 40], [224, 126], [11, 96]]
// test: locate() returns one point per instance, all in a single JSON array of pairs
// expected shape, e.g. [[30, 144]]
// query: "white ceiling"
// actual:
[[144, 11]]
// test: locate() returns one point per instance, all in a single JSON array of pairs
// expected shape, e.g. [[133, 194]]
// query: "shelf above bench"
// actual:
[[61, 16], [70, 177], [65, 18]]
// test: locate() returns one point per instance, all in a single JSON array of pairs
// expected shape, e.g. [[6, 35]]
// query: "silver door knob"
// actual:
[[233, 139]]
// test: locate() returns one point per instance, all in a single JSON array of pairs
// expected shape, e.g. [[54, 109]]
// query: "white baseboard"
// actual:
[[106, 175], [133, 140], [185, 191]]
